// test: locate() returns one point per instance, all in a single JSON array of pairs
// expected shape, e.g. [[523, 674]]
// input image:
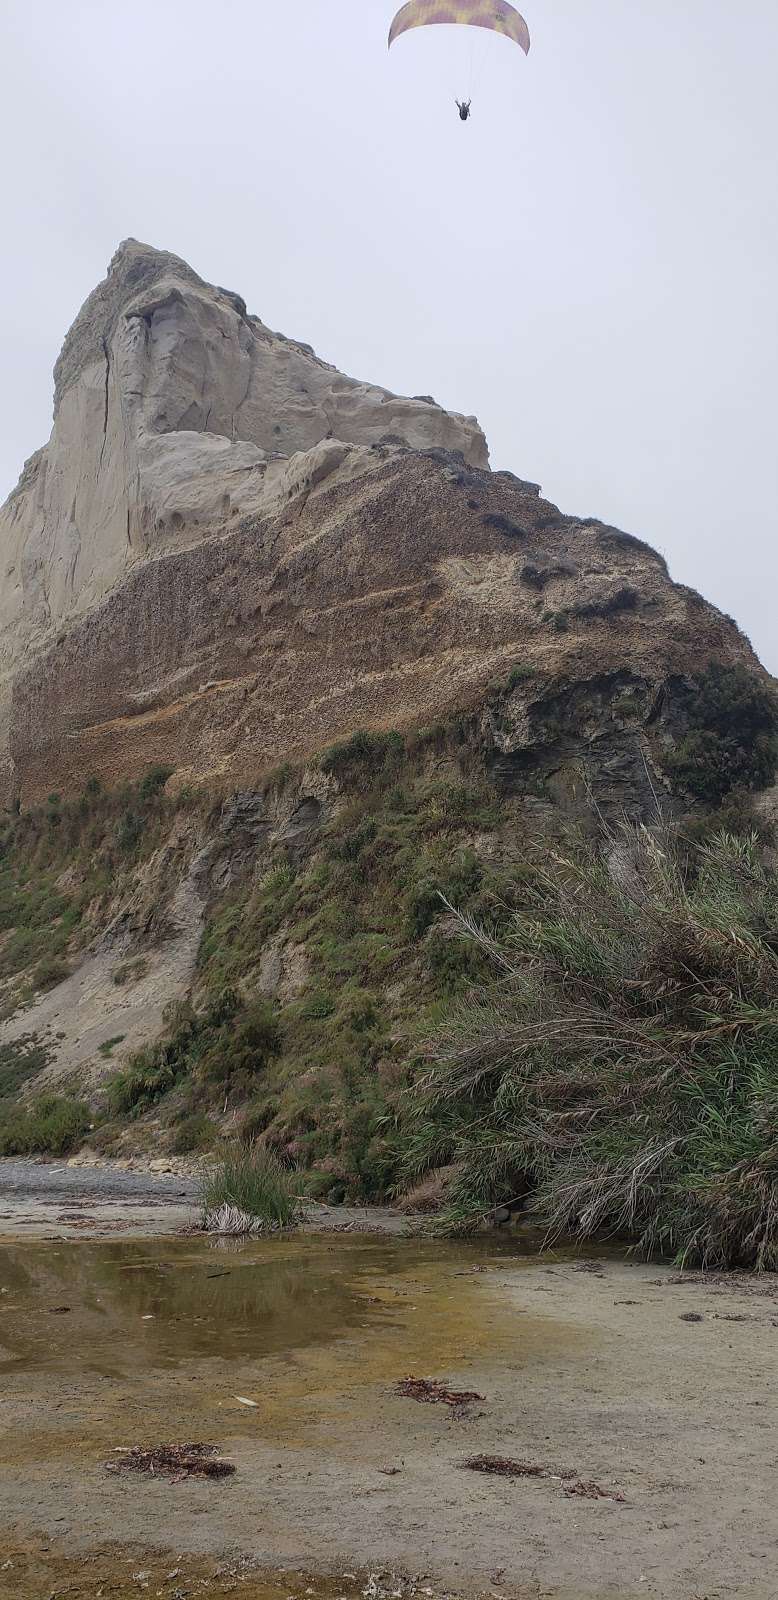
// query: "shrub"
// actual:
[[49, 972], [732, 737], [615, 538], [154, 781], [538, 577], [129, 831], [193, 1132], [108, 1046], [737, 814], [239, 1047], [20, 1060], [228, 1044], [50, 1125], [519, 674], [455, 883], [253, 1182], [453, 962], [150, 1075], [624, 1067], [367, 753], [560, 620], [502, 524], [624, 599], [318, 1005], [351, 845]]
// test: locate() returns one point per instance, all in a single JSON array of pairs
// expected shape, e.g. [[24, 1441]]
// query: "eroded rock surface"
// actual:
[[229, 555], [176, 414]]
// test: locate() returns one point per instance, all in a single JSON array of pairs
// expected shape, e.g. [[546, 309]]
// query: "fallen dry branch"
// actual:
[[174, 1461], [430, 1391], [503, 1467]]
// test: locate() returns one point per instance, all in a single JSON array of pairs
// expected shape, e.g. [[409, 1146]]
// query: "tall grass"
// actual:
[[621, 1071], [254, 1183]]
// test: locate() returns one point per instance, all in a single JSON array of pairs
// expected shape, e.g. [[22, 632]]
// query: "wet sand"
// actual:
[[57, 1200], [591, 1370]]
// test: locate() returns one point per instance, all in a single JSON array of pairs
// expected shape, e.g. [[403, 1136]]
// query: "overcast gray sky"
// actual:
[[590, 265]]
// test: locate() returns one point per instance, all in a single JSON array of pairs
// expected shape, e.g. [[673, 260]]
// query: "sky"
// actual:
[[590, 264]]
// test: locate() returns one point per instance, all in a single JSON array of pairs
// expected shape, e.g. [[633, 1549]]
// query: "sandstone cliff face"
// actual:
[[229, 555], [175, 414]]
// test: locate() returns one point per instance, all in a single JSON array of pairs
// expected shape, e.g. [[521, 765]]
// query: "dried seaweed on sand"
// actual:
[[431, 1391], [174, 1461], [504, 1467], [592, 1491]]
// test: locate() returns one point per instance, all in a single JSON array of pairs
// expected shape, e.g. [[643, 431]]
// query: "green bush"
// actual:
[[367, 754], [318, 1004], [521, 673], [50, 1126], [240, 1047], [109, 1045], [456, 882], [20, 1060], [454, 962], [147, 1078], [732, 737], [624, 1066], [253, 1182], [194, 1132], [624, 599], [229, 1044], [49, 972], [129, 831], [503, 524], [351, 845], [154, 782]]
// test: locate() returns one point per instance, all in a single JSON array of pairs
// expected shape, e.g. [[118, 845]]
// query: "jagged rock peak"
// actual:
[[177, 306], [133, 268]]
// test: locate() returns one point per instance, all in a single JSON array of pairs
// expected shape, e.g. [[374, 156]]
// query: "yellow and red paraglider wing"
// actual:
[[495, 15]]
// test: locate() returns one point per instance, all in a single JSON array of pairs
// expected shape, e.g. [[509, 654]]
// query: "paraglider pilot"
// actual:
[[497, 16]]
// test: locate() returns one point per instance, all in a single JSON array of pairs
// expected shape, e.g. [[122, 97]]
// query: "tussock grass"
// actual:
[[252, 1182], [621, 1070]]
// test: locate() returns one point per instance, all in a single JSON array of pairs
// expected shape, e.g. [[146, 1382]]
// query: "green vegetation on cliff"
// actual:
[[331, 955], [732, 738], [367, 966], [61, 866], [620, 1072]]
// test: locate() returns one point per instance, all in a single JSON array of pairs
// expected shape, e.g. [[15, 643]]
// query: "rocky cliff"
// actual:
[[229, 555], [327, 668]]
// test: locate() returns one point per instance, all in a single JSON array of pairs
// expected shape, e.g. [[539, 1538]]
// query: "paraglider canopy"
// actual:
[[496, 15]]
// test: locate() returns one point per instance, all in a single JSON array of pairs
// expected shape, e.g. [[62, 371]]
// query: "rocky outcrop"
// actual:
[[229, 555], [176, 414]]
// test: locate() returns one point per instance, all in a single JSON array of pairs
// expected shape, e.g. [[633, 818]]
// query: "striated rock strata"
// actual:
[[229, 555]]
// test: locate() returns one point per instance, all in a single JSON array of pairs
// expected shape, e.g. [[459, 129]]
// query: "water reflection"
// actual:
[[131, 1304]]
